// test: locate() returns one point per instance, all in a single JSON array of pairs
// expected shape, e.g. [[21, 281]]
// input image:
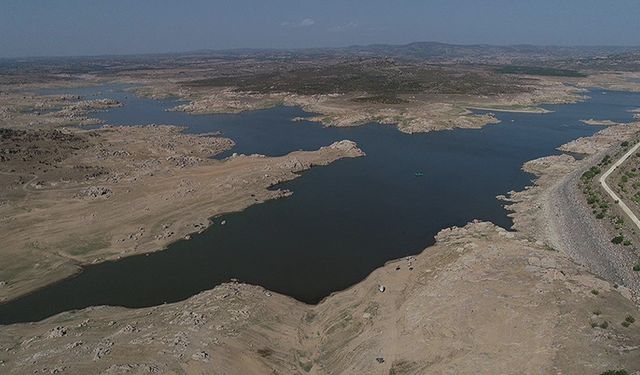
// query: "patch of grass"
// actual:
[[81, 247]]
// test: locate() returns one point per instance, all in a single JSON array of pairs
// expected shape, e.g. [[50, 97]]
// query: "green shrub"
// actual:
[[617, 239], [604, 325], [591, 173], [594, 292], [629, 319], [637, 267]]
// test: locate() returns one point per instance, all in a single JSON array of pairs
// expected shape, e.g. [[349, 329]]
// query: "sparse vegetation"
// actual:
[[617, 239], [591, 173], [540, 71], [615, 372], [383, 79]]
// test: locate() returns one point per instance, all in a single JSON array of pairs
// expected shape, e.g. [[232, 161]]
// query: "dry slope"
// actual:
[[482, 300]]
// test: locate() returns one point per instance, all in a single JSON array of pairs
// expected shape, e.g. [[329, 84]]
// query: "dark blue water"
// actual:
[[343, 220]]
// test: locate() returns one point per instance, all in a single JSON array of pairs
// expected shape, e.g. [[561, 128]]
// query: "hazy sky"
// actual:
[[91, 27]]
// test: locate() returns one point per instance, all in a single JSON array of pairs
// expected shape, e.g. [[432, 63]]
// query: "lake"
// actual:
[[343, 220]]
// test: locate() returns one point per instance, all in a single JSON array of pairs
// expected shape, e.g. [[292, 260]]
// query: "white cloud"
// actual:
[[343, 28], [307, 22]]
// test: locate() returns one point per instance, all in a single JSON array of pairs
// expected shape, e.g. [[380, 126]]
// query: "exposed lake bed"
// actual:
[[343, 220]]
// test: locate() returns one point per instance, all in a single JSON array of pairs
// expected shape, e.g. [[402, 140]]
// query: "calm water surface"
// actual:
[[343, 220]]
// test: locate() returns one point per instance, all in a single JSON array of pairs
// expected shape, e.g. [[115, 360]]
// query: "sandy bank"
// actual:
[[115, 192]]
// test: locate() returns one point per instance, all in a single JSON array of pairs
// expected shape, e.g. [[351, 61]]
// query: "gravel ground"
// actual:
[[575, 230]]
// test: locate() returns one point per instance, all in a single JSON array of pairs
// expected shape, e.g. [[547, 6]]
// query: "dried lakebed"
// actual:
[[343, 220]]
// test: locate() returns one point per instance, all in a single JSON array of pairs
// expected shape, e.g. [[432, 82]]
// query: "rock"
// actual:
[[57, 332], [102, 350], [201, 356], [94, 192], [381, 288], [348, 147]]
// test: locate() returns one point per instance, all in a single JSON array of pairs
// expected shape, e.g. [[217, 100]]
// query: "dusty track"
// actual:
[[612, 194]]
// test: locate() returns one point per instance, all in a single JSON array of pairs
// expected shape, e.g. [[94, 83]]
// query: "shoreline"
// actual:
[[205, 176], [79, 263]]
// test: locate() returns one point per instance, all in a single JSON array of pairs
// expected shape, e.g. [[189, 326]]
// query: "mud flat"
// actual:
[[616, 81], [73, 197]]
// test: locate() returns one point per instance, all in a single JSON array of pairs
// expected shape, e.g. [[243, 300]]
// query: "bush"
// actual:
[[630, 319], [594, 292], [637, 267], [591, 173], [617, 239], [615, 372]]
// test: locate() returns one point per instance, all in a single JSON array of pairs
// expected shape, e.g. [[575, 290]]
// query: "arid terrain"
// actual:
[[554, 296], [79, 197], [474, 303]]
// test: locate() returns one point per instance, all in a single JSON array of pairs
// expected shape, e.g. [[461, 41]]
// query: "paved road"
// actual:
[[613, 195]]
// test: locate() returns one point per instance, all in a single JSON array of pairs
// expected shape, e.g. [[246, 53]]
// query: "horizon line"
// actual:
[[293, 49]]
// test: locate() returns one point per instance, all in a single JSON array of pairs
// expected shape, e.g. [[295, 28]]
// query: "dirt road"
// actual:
[[612, 194]]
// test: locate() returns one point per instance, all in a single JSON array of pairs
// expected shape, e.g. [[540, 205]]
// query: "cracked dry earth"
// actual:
[[482, 300]]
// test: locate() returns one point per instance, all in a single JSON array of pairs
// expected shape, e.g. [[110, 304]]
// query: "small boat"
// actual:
[[419, 174]]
